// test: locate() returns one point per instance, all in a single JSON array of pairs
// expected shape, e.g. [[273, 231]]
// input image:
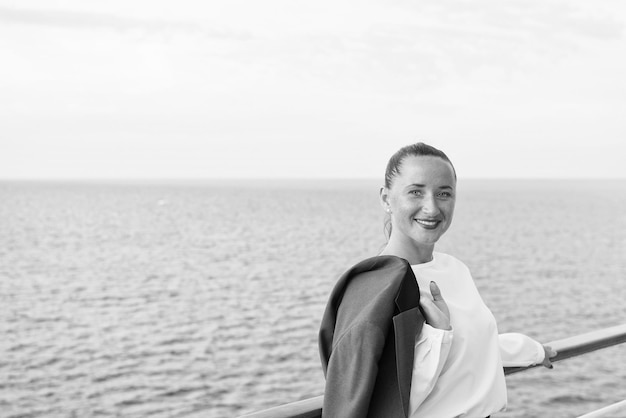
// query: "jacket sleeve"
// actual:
[[519, 350], [352, 370]]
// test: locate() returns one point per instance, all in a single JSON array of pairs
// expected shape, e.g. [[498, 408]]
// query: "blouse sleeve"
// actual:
[[519, 350], [431, 351]]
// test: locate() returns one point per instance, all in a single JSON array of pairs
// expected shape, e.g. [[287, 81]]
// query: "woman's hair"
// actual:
[[419, 150], [395, 162]]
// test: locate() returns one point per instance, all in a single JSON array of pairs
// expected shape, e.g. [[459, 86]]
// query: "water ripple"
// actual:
[[209, 305]]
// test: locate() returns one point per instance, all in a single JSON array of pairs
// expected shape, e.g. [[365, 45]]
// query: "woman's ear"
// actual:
[[384, 199]]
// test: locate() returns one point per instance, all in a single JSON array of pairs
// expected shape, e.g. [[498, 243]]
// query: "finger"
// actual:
[[428, 305], [550, 351], [431, 311], [434, 290], [438, 298], [433, 315], [549, 354], [547, 363]]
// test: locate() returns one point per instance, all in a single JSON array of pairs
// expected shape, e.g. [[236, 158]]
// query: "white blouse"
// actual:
[[458, 373]]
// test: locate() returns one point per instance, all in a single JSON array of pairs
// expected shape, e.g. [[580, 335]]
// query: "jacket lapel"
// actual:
[[407, 326]]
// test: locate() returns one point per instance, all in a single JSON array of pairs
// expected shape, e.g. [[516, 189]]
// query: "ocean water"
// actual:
[[204, 299]]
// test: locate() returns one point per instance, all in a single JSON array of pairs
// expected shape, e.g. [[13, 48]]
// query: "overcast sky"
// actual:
[[292, 89]]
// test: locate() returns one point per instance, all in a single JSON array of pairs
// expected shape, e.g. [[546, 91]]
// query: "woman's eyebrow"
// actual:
[[423, 185]]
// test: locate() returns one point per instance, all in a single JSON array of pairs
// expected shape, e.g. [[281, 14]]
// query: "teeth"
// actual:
[[426, 223]]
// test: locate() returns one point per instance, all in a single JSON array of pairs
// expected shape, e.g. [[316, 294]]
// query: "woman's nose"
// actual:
[[429, 206]]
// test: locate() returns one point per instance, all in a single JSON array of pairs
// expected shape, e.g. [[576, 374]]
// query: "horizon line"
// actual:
[[259, 179]]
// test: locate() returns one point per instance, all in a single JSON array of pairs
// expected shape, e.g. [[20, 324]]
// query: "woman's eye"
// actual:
[[445, 194], [416, 192]]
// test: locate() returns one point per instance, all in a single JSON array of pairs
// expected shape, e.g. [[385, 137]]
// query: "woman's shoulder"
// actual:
[[379, 262], [371, 270], [447, 260]]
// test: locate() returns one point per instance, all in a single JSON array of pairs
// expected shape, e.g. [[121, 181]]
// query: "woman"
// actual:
[[406, 334]]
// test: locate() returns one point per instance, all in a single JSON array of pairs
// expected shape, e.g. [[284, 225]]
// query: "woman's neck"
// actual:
[[413, 254]]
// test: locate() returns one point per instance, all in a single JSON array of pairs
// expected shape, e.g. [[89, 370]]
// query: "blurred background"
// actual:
[[294, 89]]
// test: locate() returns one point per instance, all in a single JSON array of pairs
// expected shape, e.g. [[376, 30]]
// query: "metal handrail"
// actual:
[[581, 344], [607, 410], [566, 348]]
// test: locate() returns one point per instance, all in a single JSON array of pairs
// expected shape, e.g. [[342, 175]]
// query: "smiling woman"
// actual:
[[419, 194], [406, 333]]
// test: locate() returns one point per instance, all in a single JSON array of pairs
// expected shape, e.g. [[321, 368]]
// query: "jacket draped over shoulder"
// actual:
[[367, 340]]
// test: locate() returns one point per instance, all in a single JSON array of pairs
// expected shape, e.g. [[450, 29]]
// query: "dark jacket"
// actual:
[[367, 340]]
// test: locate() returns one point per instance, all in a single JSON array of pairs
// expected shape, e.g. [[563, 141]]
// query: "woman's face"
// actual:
[[421, 200]]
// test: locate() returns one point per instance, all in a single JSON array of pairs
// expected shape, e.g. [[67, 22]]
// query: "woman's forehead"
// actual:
[[416, 167]]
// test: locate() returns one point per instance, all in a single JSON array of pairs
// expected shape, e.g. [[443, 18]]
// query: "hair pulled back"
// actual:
[[419, 149]]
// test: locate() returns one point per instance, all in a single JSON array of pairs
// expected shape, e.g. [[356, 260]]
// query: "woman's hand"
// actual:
[[436, 309], [549, 354]]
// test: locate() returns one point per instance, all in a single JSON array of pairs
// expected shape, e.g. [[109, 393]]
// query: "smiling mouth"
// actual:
[[428, 223]]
